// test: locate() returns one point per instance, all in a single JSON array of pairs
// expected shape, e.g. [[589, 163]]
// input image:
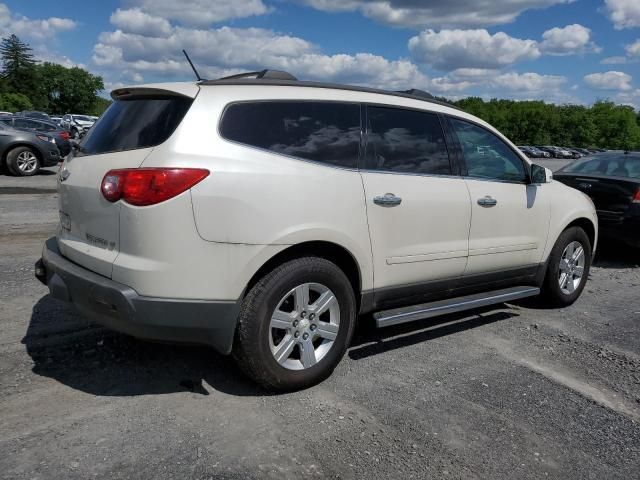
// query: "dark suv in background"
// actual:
[[60, 135], [23, 153]]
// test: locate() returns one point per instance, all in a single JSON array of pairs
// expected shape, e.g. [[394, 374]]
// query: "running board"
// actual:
[[395, 316]]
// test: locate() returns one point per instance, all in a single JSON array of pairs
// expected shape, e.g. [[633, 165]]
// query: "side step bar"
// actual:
[[395, 316]]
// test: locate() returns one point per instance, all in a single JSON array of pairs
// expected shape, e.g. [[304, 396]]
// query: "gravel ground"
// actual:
[[507, 392]]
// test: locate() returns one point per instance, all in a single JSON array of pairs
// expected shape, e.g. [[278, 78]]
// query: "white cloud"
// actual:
[[201, 12], [33, 29], [617, 60], [436, 13], [611, 80], [568, 40], [624, 13], [135, 20], [451, 49], [224, 51], [633, 49], [528, 83]]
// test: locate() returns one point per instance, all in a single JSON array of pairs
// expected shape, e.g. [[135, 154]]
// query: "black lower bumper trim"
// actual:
[[121, 308]]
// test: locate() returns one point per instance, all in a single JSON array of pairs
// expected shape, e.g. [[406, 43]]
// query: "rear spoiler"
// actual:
[[189, 90]]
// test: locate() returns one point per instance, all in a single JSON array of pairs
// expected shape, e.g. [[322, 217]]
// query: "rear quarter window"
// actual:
[[136, 122], [327, 132]]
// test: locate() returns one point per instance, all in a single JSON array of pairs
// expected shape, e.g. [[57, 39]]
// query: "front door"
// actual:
[[510, 216]]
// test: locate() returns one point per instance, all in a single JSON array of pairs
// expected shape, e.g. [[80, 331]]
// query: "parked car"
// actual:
[[527, 151], [612, 181], [78, 125], [23, 153], [537, 153], [575, 154], [6, 114], [262, 216], [60, 135], [33, 114]]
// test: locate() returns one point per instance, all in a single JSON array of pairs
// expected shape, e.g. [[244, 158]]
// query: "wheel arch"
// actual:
[[333, 252], [587, 225]]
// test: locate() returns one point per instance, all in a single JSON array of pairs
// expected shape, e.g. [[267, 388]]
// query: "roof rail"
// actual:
[[417, 93], [266, 74]]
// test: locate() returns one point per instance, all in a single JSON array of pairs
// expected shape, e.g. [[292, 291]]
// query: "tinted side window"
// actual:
[[320, 131], [138, 122], [406, 141], [486, 155], [23, 123]]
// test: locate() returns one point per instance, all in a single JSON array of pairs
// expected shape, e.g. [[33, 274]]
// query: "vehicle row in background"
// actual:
[[551, 151]]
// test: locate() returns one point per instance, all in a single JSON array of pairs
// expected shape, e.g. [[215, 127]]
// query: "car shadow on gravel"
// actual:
[[86, 357], [369, 340], [614, 254]]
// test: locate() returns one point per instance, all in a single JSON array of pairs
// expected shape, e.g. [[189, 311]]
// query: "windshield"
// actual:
[[83, 118], [137, 122], [616, 166]]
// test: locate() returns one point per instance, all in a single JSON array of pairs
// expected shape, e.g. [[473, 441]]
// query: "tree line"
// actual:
[[26, 84], [603, 125]]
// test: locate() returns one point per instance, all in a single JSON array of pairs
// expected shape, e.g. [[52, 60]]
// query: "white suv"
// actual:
[[262, 216]]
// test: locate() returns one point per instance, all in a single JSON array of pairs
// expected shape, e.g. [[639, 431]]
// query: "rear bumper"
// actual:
[[120, 308]]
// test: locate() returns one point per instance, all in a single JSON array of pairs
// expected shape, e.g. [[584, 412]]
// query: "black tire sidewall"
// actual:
[[255, 336], [12, 158], [552, 287]]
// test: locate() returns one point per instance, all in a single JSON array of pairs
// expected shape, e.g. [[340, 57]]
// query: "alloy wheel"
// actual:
[[27, 162], [304, 326], [571, 269]]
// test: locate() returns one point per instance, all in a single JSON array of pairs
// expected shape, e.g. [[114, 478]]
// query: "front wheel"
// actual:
[[23, 162], [568, 268], [295, 324]]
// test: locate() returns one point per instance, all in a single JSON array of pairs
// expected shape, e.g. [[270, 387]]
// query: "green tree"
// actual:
[[14, 102], [69, 90], [18, 66], [100, 105]]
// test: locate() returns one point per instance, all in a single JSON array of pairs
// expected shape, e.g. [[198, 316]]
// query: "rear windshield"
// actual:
[[137, 122], [618, 166]]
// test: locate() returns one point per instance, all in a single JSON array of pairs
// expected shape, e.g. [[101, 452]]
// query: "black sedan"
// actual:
[[60, 134], [23, 153], [612, 180]]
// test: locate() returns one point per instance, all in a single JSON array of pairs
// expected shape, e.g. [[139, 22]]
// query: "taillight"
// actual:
[[148, 186], [636, 197], [65, 135]]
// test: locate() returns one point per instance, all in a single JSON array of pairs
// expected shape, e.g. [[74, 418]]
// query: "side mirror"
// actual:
[[540, 174]]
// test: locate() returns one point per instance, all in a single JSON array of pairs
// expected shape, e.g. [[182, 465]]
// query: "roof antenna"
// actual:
[[192, 67]]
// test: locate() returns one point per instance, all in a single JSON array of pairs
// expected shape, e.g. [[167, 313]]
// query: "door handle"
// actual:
[[487, 201], [387, 200]]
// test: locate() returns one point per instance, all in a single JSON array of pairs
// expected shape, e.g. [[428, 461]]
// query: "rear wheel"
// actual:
[[568, 268], [295, 324], [23, 162]]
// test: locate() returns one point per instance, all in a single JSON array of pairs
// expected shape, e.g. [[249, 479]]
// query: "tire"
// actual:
[[23, 162], [553, 294], [256, 339], [75, 134]]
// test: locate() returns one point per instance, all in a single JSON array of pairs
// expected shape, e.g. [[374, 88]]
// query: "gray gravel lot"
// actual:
[[508, 392]]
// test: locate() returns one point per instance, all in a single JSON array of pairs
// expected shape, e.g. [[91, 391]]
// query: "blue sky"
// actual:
[[574, 51]]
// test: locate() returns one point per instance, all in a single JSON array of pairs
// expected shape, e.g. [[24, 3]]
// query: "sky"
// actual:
[[560, 51]]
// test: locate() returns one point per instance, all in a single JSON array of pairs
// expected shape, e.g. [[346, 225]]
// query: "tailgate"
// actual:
[[138, 120], [89, 225]]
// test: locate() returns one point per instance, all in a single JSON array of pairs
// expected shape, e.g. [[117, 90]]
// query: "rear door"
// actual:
[[136, 122], [418, 210]]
